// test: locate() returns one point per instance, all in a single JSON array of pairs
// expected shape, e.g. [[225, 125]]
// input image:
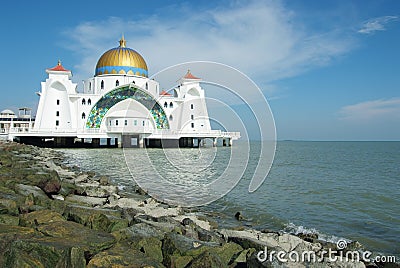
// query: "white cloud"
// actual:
[[262, 39], [376, 24], [382, 109]]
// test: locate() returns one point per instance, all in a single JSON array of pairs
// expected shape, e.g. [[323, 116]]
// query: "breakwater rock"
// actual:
[[57, 216]]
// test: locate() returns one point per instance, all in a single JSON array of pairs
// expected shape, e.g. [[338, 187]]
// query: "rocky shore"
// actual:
[[57, 216]]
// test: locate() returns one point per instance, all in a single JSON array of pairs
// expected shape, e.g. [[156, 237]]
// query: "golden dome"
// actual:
[[121, 60]]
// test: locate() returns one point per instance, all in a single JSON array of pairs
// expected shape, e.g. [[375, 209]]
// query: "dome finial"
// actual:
[[122, 42], [59, 63]]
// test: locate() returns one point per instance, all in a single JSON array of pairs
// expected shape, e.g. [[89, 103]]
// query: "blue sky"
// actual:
[[329, 69]]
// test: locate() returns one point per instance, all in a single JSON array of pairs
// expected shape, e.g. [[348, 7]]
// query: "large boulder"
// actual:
[[206, 260], [138, 231], [48, 181], [9, 220], [51, 244], [9, 234], [122, 255], [108, 220], [8, 206], [31, 253], [36, 218], [86, 200], [75, 234], [175, 246]]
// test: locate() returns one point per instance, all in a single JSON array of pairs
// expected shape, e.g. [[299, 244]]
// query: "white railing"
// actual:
[[19, 129], [157, 132]]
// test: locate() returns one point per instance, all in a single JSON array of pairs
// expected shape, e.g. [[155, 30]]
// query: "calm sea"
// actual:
[[337, 189]]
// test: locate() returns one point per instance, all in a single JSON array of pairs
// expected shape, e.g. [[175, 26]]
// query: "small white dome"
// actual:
[[7, 111]]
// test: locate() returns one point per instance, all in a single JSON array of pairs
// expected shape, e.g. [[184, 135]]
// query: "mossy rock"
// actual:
[[117, 224], [9, 220], [8, 206], [67, 188], [35, 218], [175, 245], [58, 206], [6, 191], [207, 259], [136, 232], [227, 252], [9, 234], [107, 220], [151, 247], [54, 244], [34, 253], [6, 160], [244, 256], [26, 253], [178, 261], [74, 234], [122, 256], [48, 181]]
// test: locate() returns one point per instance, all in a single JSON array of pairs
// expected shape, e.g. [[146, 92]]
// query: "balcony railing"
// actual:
[[157, 132]]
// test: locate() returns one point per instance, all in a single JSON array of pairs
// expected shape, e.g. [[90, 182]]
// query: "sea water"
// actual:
[[345, 190]]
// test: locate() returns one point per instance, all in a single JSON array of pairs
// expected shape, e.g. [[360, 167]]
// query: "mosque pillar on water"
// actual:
[[141, 141], [215, 142]]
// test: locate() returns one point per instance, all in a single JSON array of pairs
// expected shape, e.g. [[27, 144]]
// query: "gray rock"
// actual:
[[88, 200]]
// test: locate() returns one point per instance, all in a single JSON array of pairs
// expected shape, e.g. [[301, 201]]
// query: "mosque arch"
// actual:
[[111, 98], [193, 92], [58, 86]]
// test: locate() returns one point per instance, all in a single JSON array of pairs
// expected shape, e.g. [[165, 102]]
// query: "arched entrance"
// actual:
[[117, 95]]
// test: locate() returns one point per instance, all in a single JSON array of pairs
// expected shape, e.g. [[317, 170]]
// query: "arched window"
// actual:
[[171, 105], [192, 117], [89, 102], [165, 104], [57, 113], [83, 101], [116, 83], [90, 85], [102, 84], [191, 106], [83, 115], [170, 118], [147, 85], [133, 82]]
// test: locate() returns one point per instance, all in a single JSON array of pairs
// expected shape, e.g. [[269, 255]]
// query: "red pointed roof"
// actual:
[[59, 68], [165, 93], [189, 75]]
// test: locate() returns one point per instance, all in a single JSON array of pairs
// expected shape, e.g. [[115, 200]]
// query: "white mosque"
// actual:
[[119, 107]]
